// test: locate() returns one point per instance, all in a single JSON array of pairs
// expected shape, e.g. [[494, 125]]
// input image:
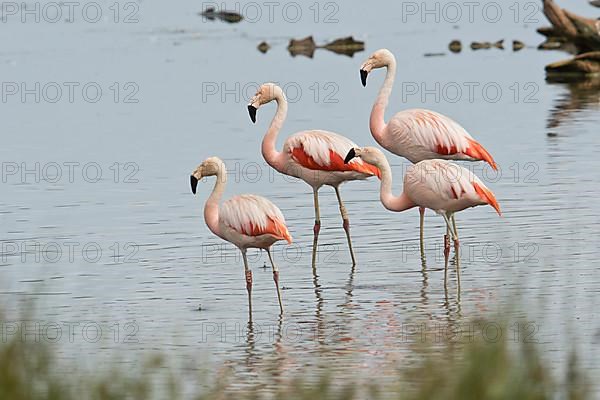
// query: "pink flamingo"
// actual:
[[439, 185], [247, 221], [417, 134], [316, 157]]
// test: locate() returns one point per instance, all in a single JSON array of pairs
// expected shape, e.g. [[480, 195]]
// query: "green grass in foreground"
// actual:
[[477, 370]]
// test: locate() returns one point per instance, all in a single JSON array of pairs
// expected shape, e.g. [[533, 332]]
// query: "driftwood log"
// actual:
[[569, 27], [574, 34], [582, 64]]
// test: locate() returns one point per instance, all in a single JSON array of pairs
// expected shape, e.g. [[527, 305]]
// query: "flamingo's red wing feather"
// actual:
[[475, 151], [253, 215], [336, 163], [274, 227], [445, 151]]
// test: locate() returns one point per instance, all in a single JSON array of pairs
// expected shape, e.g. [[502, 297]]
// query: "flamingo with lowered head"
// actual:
[[315, 156], [247, 221], [417, 134], [439, 185]]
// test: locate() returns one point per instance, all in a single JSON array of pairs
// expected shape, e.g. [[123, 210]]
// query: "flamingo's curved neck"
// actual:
[[377, 122], [389, 201], [273, 157], [211, 208]]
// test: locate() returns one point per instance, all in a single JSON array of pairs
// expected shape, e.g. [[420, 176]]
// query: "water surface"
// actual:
[[538, 260]]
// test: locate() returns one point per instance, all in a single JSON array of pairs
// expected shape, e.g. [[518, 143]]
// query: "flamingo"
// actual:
[[246, 221], [417, 134], [315, 156], [439, 185]]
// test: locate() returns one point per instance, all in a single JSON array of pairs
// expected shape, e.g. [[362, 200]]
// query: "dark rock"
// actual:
[[487, 45], [226, 16], [305, 47], [517, 45], [347, 46], [263, 47], [455, 46], [346, 43], [480, 45]]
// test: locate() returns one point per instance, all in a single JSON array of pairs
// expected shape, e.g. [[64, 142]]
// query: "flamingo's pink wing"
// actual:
[[438, 134], [325, 151], [449, 181], [254, 216]]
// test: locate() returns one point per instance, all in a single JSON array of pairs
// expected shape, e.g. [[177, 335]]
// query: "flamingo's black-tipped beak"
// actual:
[[350, 156], [363, 77], [193, 183], [252, 112]]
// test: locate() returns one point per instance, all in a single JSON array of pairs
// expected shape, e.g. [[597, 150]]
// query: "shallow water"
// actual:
[[159, 262]]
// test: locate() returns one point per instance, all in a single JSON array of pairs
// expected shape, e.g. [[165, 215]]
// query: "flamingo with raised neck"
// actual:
[[315, 156], [417, 134], [246, 221]]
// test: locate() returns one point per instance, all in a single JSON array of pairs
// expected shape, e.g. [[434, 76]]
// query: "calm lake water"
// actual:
[[102, 235]]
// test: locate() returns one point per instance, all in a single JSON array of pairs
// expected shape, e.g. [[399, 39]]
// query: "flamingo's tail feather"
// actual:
[[486, 195], [478, 152], [279, 230]]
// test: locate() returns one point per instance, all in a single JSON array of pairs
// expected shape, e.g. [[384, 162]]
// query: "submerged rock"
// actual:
[[347, 46], [307, 46], [517, 45], [263, 47], [455, 46], [487, 45], [226, 16], [480, 45]]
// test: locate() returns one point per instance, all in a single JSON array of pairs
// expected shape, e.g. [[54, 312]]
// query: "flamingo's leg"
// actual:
[[248, 282], [317, 226], [456, 249], [346, 223], [421, 223], [276, 279], [451, 229], [446, 254], [454, 227]]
